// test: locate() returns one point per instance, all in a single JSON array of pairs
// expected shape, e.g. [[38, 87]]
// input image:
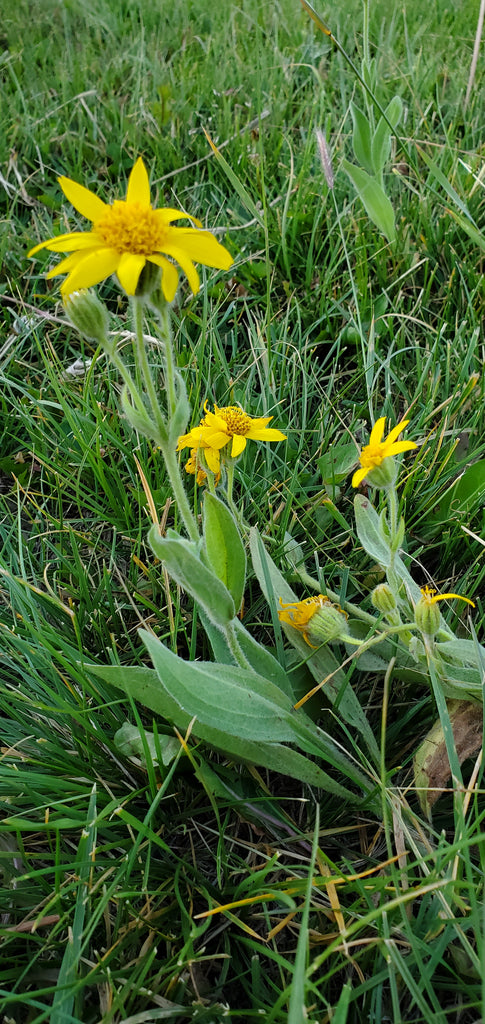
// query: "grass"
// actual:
[[109, 863]]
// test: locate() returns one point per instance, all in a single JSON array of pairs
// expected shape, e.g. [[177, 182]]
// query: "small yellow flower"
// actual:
[[125, 236], [227, 426], [316, 618], [374, 453], [426, 615], [194, 467], [431, 597]]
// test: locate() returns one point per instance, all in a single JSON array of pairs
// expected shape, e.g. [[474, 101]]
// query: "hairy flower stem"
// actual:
[[163, 311], [161, 429], [233, 644]]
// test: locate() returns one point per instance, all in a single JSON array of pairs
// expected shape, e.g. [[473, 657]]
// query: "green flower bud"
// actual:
[[383, 599], [88, 315]]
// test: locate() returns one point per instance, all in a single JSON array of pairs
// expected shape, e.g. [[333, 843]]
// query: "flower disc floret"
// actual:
[[374, 454], [127, 235]]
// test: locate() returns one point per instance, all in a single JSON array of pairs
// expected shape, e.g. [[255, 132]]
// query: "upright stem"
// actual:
[[161, 431], [145, 366]]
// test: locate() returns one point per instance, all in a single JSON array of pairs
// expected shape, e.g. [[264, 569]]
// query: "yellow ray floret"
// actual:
[[378, 449], [431, 597], [128, 234], [229, 427]]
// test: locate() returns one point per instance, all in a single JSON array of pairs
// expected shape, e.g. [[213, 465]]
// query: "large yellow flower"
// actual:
[[125, 236], [378, 449], [227, 426]]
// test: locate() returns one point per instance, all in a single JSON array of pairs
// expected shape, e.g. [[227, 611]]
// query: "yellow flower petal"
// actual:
[[92, 269], [394, 433], [167, 214], [238, 445], [185, 262], [266, 434], [129, 270], [377, 431], [82, 199], [202, 247], [138, 190], [66, 265], [170, 276]]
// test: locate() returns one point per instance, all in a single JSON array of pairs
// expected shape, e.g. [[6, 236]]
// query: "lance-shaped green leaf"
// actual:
[[369, 531], [242, 704], [143, 685], [372, 195], [232, 699], [138, 419], [259, 658], [182, 560], [322, 663], [381, 143], [362, 138], [223, 546]]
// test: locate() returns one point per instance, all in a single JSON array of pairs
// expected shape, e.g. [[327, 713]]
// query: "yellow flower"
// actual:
[[125, 236], [194, 467], [431, 597], [374, 453], [316, 618], [227, 426], [426, 615]]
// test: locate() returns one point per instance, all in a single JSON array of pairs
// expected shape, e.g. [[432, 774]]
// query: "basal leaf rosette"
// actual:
[[128, 235]]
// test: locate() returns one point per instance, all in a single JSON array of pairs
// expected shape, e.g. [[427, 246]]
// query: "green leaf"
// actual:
[[143, 685], [362, 138], [381, 143], [337, 462], [369, 531], [226, 697], [223, 545], [372, 195], [182, 560], [69, 971], [452, 194], [260, 659], [129, 742]]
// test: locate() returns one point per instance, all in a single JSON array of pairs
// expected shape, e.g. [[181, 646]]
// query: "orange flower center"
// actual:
[[131, 227], [237, 421]]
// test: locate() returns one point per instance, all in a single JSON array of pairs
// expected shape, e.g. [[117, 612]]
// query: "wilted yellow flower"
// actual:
[[194, 467], [373, 454], [125, 236], [316, 618], [426, 615], [227, 426]]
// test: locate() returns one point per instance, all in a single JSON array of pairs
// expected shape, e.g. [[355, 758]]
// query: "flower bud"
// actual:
[[384, 602], [88, 315], [383, 599], [329, 623]]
